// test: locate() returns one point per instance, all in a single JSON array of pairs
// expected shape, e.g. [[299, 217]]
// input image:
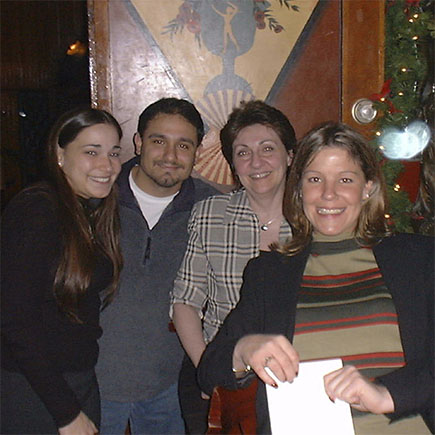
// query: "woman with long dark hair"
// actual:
[[60, 258]]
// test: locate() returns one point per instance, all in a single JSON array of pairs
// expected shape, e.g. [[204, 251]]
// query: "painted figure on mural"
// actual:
[[228, 16], [230, 37]]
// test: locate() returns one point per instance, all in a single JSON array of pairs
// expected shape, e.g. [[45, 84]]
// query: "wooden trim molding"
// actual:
[[363, 43], [99, 54]]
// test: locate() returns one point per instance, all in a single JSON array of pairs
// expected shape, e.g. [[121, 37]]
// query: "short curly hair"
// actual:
[[255, 112]]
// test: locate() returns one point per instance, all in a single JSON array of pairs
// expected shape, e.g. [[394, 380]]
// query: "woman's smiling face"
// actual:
[[91, 162], [334, 189], [260, 160]]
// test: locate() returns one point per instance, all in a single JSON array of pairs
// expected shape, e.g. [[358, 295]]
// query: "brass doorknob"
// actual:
[[363, 111]]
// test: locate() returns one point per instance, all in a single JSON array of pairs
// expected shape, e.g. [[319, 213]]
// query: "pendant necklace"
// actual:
[[265, 226]]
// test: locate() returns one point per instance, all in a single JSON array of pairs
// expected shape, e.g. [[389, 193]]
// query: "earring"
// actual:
[[59, 163]]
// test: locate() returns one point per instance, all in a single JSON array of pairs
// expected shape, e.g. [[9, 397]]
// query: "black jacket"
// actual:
[[268, 305], [37, 339]]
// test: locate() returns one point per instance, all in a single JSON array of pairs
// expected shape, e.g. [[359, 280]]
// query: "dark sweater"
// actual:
[[37, 339], [139, 356]]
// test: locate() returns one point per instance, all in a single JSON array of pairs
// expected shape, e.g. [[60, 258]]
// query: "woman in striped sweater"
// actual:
[[342, 287]]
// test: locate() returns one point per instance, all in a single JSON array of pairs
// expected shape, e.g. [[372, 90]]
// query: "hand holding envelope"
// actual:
[[350, 385], [258, 351], [303, 407], [298, 391]]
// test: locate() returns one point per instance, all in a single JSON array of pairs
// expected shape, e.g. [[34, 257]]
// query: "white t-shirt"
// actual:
[[151, 206]]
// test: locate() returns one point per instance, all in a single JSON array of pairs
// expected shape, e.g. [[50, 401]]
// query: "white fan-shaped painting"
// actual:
[[215, 109]]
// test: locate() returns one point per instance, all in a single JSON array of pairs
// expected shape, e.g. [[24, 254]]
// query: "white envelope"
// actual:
[[303, 408]]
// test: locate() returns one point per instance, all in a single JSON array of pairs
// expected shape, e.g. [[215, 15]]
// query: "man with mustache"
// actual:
[[140, 356]]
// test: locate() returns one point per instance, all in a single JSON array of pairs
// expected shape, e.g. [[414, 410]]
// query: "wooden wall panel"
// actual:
[[11, 178], [35, 36], [311, 91], [99, 54], [363, 55]]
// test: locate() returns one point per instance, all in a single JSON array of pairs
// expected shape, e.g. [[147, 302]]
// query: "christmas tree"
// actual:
[[408, 92]]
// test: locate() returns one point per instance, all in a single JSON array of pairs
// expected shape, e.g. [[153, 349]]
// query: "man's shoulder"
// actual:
[[203, 190]]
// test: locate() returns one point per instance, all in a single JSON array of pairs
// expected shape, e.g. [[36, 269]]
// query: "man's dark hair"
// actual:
[[172, 106]]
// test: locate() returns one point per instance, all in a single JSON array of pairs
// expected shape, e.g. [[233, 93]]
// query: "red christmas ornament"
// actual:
[[385, 91], [382, 96]]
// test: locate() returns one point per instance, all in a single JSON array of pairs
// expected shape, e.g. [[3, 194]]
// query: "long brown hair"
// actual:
[[424, 204], [81, 233], [371, 225]]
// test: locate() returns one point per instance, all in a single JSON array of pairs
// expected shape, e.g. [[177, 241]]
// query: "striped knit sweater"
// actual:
[[350, 314]]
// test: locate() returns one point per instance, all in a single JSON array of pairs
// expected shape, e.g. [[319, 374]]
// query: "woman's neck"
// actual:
[[90, 203], [266, 207], [317, 237], [268, 210]]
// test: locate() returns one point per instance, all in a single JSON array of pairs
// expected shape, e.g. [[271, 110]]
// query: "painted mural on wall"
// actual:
[[224, 52]]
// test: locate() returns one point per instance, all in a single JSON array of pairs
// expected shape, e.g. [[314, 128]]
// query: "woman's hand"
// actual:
[[273, 351], [349, 385], [81, 425]]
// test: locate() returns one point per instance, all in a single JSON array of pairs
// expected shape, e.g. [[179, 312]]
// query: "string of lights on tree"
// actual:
[[406, 96]]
